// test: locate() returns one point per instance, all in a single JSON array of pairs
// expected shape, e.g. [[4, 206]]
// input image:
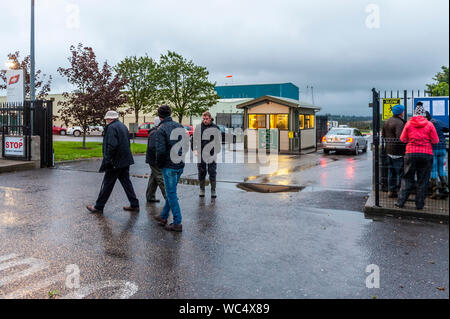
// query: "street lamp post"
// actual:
[[32, 67]]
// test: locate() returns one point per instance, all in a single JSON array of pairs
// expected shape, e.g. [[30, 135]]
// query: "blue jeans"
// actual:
[[439, 157], [395, 173], [171, 179]]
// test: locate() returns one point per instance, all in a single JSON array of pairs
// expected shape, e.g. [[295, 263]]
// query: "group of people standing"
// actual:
[[167, 146], [416, 151]]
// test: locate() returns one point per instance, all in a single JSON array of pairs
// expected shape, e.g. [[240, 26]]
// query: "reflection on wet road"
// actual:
[[315, 243]]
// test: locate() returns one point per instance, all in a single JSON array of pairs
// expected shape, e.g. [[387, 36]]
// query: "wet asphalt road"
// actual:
[[315, 243]]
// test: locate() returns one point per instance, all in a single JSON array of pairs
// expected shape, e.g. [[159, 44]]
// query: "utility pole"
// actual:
[[32, 66], [312, 94]]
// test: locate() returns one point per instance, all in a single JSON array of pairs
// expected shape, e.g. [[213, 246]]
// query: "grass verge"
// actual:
[[69, 151]]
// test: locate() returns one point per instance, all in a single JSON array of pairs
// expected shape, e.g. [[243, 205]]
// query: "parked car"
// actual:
[[189, 130], [92, 130], [344, 139], [58, 130], [144, 129]]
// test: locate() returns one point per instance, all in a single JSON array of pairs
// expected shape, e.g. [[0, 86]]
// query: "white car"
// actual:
[[345, 139], [78, 130]]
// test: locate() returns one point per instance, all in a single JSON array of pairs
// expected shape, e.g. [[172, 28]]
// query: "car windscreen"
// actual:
[[340, 132]]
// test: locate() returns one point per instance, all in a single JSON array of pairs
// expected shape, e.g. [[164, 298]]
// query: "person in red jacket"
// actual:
[[419, 134]]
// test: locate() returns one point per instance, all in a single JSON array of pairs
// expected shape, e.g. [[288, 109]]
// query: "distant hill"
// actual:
[[348, 118]]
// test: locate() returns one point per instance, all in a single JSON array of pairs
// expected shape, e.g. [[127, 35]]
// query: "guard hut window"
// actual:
[[256, 121], [307, 121], [279, 121]]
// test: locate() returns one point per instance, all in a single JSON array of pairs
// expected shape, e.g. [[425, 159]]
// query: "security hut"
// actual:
[[279, 123]]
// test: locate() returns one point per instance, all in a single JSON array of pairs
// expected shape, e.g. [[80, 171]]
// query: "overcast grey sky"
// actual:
[[334, 45]]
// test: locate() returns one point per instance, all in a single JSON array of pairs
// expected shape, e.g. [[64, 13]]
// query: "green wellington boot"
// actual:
[[444, 186], [202, 188], [213, 189], [434, 189]]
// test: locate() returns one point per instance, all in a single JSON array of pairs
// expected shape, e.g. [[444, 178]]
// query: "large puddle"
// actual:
[[268, 188]]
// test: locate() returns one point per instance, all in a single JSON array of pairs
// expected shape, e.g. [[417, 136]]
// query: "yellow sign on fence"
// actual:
[[388, 104]]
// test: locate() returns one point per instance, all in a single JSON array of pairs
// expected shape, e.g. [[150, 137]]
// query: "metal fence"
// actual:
[[416, 180], [413, 181]]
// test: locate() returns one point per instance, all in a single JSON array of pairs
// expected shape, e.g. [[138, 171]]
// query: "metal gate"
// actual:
[[43, 119], [15, 128], [15, 121], [380, 157]]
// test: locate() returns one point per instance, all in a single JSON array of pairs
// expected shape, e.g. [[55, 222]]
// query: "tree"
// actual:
[[141, 74], [41, 81], [98, 90], [441, 87], [185, 86]]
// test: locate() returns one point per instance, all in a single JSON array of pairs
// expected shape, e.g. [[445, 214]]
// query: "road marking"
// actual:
[[36, 265], [127, 289], [7, 257], [10, 188], [39, 285]]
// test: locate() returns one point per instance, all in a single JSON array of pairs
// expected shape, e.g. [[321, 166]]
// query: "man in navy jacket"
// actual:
[[117, 159], [172, 144]]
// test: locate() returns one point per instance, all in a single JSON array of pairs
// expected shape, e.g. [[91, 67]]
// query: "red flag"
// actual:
[[229, 76]]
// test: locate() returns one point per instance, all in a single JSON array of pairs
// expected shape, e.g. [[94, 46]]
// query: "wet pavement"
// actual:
[[315, 243]]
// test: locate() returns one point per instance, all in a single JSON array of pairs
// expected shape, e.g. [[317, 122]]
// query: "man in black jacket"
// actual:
[[395, 149], [156, 177], [172, 144], [207, 145], [117, 159]]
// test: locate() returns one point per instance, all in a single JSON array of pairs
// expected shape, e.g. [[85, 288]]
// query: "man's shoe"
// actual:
[[131, 209], [176, 228], [94, 210], [396, 204], [160, 220]]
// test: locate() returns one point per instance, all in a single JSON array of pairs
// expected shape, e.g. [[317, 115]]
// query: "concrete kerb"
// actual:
[[7, 166], [373, 210]]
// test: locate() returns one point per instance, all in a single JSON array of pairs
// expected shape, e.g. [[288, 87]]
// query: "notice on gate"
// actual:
[[388, 104], [14, 146]]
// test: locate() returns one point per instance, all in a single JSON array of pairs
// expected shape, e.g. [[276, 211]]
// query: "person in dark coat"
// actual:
[[156, 178], [207, 134], [395, 149], [439, 188], [117, 159], [172, 144]]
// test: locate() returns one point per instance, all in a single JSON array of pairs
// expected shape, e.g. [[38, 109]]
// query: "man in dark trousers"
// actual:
[[439, 188], [172, 144], [207, 145], [156, 177], [117, 159], [395, 149]]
